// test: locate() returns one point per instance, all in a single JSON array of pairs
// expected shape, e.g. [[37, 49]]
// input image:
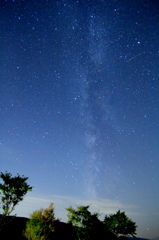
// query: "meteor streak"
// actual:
[[135, 56]]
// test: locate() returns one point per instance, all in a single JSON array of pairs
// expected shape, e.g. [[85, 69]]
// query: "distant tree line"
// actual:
[[83, 225], [42, 225]]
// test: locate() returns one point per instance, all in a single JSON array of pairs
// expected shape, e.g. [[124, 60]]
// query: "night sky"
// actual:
[[79, 105]]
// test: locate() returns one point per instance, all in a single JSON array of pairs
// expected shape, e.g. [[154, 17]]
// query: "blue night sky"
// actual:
[[79, 105]]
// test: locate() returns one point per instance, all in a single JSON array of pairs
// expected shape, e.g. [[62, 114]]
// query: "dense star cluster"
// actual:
[[79, 105]]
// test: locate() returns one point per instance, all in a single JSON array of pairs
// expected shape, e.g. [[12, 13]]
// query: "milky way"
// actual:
[[79, 102]]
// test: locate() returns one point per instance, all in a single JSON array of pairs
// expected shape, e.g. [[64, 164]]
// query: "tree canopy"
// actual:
[[87, 226], [120, 224], [12, 191]]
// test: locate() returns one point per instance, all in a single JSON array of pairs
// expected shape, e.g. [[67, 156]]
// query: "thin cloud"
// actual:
[[102, 206]]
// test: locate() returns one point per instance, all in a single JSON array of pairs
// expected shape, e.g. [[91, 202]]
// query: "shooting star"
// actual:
[[135, 56]]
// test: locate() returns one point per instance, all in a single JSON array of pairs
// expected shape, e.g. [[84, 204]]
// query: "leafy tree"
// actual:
[[12, 191], [41, 224], [86, 225], [120, 224]]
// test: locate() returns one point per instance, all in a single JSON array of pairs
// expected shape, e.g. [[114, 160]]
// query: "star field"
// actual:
[[79, 101]]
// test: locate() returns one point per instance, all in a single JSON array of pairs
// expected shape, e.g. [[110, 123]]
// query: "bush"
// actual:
[[41, 225]]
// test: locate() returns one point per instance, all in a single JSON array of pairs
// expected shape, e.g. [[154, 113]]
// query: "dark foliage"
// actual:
[[12, 191], [63, 231], [120, 224], [86, 225], [14, 230]]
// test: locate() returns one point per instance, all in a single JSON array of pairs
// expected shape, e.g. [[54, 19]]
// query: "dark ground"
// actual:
[[14, 229], [16, 226]]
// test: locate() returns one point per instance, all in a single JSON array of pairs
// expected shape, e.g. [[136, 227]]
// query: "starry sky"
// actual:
[[79, 104]]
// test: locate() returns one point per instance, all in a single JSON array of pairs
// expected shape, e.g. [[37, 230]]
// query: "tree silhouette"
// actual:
[[12, 191], [87, 226], [120, 224]]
